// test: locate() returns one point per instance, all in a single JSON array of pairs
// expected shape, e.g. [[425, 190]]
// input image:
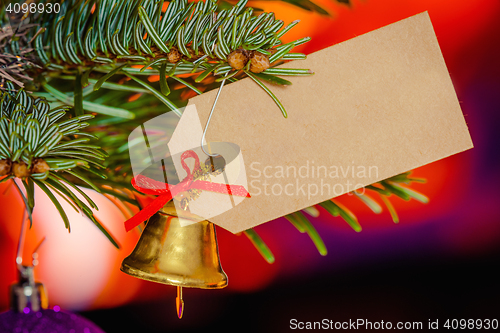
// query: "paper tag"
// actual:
[[378, 105]]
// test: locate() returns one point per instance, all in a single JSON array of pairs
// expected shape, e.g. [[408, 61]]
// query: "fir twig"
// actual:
[[117, 36], [39, 146]]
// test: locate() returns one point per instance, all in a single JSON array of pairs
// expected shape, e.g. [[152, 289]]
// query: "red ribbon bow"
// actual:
[[166, 192]]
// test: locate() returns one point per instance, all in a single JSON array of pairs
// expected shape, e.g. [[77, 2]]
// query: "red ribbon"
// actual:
[[166, 192]]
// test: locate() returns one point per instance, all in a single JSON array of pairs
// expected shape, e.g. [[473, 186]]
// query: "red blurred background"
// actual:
[[438, 262]]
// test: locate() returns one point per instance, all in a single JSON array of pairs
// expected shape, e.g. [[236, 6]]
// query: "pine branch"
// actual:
[[114, 36], [17, 59], [385, 188], [39, 145]]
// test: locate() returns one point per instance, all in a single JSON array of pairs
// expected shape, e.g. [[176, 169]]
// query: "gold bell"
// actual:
[[183, 256]]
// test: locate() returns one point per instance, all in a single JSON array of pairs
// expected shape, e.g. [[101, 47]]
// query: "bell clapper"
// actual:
[[179, 302]]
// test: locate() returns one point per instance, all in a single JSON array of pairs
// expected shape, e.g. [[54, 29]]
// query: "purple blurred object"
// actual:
[[45, 321], [28, 303]]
